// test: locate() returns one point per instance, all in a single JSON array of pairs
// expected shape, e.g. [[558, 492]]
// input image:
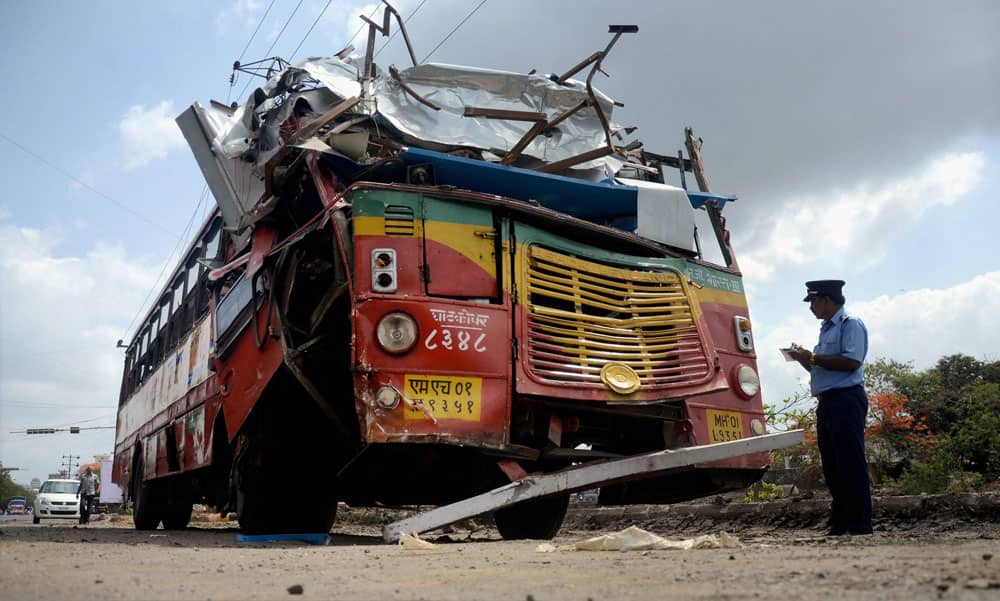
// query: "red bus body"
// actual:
[[423, 330]]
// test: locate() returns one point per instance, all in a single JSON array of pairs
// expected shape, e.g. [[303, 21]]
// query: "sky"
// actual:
[[861, 137]]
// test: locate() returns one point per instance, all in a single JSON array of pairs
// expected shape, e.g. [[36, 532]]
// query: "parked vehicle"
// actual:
[[406, 297], [57, 499]]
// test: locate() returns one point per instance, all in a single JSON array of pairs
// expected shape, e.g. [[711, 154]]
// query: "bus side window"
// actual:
[[178, 329], [213, 242], [132, 369], [154, 342], [164, 333], [193, 289], [126, 387], [143, 355]]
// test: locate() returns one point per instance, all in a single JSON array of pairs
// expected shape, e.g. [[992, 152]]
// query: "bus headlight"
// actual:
[[746, 381], [396, 332]]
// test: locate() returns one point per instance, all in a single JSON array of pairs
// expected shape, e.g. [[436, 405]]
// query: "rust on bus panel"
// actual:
[[423, 282]]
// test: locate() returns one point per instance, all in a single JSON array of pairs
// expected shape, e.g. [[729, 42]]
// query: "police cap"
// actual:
[[829, 288]]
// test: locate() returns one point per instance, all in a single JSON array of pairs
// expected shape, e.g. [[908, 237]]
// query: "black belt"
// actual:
[[827, 394]]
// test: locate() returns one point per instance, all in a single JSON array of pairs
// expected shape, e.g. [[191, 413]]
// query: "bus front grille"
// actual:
[[583, 315]]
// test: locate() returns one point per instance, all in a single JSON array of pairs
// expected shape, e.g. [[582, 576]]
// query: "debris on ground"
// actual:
[[412, 542], [636, 539]]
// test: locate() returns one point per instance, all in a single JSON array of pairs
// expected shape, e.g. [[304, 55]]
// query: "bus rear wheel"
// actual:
[[147, 509], [537, 519], [147, 504]]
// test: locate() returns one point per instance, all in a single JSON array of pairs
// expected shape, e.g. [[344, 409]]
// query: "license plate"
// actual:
[[444, 397], [724, 426]]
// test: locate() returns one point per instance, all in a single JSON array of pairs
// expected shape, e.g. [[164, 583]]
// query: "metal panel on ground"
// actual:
[[584, 477]]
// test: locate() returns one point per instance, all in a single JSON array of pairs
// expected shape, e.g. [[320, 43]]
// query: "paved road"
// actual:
[[113, 561], [15, 519]]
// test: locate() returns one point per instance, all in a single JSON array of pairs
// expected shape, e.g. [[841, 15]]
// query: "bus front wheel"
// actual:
[[536, 519]]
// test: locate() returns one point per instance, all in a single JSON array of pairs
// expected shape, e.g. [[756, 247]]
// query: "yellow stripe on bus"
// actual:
[[722, 297], [474, 242]]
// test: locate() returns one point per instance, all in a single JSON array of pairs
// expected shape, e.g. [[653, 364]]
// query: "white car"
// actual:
[[57, 499]]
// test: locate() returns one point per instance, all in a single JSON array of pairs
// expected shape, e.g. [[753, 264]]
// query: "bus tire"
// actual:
[[257, 514], [176, 516], [177, 510], [537, 519], [252, 513], [147, 506]]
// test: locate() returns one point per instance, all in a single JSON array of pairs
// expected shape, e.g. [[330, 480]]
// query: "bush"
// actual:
[[763, 492], [930, 476], [938, 470], [965, 482]]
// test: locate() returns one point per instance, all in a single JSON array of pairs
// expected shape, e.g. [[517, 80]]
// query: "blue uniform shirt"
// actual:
[[845, 336]]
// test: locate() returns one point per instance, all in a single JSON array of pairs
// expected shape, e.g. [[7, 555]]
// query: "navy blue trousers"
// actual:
[[840, 428]]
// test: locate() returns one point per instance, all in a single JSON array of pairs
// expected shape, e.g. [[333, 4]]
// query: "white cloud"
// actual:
[[242, 14], [59, 321], [352, 22], [919, 326], [854, 227], [149, 135]]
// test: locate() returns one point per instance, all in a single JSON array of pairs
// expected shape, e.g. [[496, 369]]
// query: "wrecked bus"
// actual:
[[423, 283]]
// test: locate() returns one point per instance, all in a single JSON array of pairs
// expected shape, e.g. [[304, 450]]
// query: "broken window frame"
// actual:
[[707, 237]]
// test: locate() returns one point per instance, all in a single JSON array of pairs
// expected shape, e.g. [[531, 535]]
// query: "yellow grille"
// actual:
[[398, 221], [583, 315]]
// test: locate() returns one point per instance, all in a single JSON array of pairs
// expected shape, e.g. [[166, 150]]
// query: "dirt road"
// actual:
[[932, 560]]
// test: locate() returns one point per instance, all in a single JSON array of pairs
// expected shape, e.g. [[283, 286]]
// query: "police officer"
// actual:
[[837, 382]]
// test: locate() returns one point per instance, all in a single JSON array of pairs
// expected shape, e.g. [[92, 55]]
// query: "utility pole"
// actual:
[[68, 461]]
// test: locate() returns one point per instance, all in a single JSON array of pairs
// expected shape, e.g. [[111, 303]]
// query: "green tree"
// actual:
[[887, 374], [934, 394], [975, 437], [991, 372], [9, 488]]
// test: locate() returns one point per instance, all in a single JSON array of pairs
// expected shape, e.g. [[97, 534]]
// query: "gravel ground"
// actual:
[[950, 553]]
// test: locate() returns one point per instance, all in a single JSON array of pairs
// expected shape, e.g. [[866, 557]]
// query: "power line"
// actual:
[[252, 36], [302, 41], [467, 17], [287, 21], [67, 175], [398, 29], [168, 261], [30, 405], [267, 54], [363, 24], [86, 421]]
